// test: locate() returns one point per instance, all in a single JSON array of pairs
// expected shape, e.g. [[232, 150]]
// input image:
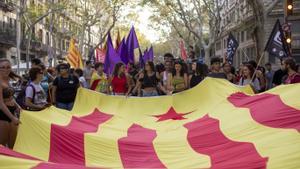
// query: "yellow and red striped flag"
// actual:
[[74, 56], [213, 125]]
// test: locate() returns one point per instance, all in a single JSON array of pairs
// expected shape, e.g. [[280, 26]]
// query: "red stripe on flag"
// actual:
[[268, 110], [205, 137], [72, 61], [60, 166], [95, 84], [137, 150], [8, 152], [67, 142]]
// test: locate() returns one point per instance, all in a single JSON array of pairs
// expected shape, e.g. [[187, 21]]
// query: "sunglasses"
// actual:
[[64, 68], [5, 67]]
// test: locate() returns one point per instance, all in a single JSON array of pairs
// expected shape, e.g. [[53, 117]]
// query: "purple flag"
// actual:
[[145, 56], [151, 54], [111, 58], [122, 52], [132, 43]]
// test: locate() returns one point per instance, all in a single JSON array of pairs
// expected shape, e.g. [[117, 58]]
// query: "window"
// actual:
[[40, 35], [218, 45], [242, 36], [47, 39]]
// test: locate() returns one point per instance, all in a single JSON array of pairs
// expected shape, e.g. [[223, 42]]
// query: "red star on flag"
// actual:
[[172, 115]]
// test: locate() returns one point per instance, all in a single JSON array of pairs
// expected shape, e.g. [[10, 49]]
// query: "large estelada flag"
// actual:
[[74, 56], [276, 45], [198, 128]]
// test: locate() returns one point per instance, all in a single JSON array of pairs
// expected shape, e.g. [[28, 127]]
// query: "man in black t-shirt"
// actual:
[[64, 88], [279, 76]]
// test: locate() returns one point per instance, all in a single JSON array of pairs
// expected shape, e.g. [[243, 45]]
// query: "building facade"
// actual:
[[237, 18], [66, 26]]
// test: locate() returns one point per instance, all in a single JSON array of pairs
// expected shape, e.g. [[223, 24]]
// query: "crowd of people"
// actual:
[[42, 87]]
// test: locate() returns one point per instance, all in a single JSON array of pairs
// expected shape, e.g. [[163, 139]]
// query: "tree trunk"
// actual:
[[207, 55], [52, 45], [18, 38], [81, 40], [28, 47]]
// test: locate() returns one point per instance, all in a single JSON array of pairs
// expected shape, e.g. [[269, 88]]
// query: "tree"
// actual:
[[200, 17], [260, 12]]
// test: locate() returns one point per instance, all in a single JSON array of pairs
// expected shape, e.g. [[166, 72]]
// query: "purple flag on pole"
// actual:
[[132, 43], [111, 58], [145, 56], [122, 52], [151, 54]]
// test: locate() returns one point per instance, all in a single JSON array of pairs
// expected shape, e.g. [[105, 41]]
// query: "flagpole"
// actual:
[[256, 69]]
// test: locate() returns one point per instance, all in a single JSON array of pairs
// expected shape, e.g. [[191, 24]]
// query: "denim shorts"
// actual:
[[150, 93], [66, 106]]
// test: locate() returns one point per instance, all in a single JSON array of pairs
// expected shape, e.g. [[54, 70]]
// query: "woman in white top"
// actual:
[[36, 98], [79, 74], [248, 72], [164, 76]]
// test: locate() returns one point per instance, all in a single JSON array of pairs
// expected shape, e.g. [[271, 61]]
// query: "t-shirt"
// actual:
[[45, 84], [87, 73], [83, 82], [40, 97], [278, 77], [255, 83], [66, 88], [295, 78], [269, 78], [217, 75]]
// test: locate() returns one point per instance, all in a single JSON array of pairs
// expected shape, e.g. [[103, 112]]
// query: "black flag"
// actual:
[[277, 45], [232, 45]]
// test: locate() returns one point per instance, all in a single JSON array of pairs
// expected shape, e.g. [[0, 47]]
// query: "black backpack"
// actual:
[[20, 99]]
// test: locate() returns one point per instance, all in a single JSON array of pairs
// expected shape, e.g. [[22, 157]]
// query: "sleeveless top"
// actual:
[[178, 84], [8, 93], [119, 84], [149, 81]]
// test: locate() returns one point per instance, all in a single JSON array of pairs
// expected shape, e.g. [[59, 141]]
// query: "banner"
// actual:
[[277, 45], [198, 128], [232, 45]]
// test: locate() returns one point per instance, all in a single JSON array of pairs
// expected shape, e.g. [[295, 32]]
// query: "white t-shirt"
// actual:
[[83, 82], [40, 97], [255, 83]]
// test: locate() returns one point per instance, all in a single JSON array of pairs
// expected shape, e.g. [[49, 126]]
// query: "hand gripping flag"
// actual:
[[198, 128], [277, 45], [232, 45]]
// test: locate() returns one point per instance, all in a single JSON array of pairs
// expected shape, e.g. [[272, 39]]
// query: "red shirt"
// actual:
[[295, 78], [119, 84]]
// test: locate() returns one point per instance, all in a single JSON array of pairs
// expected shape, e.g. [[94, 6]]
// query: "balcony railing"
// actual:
[[7, 35], [6, 5]]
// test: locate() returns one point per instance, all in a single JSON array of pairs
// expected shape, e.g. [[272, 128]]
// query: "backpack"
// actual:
[[20, 99]]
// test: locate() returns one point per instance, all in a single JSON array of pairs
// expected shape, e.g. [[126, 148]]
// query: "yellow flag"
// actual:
[[74, 57]]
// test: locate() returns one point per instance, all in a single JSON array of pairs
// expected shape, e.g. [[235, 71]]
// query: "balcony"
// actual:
[[7, 35], [6, 5]]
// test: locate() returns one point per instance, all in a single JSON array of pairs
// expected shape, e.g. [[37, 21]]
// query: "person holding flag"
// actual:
[[99, 80]]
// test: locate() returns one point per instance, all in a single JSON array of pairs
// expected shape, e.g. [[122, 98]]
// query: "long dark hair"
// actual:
[[152, 67], [201, 70], [12, 75], [251, 69], [116, 69], [182, 71]]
